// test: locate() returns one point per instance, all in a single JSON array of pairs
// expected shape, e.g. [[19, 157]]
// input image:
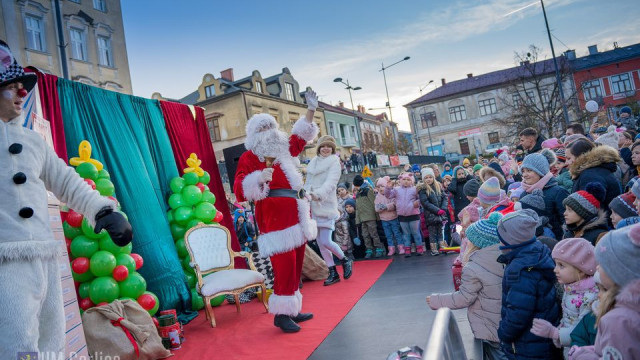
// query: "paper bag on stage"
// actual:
[[313, 267], [123, 330]]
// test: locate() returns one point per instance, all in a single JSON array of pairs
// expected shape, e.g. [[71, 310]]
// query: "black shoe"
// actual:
[[347, 267], [286, 324], [302, 317], [333, 276]]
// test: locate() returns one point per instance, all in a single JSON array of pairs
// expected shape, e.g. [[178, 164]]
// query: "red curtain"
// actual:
[[192, 136], [48, 89]]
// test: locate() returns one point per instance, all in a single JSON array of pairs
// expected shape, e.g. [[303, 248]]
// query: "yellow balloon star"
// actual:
[[84, 152], [193, 164]]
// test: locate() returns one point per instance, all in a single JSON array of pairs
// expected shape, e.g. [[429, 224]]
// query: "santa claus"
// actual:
[[268, 175]]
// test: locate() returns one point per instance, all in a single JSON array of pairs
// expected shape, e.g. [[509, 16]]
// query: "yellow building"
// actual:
[[92, 31]]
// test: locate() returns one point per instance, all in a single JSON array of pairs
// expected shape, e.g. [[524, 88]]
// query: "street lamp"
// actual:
[[424, 87], [349, 87], [426, 122], [384, 75]]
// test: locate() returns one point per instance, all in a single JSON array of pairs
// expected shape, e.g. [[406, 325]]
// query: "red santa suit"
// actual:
[[284, 223]]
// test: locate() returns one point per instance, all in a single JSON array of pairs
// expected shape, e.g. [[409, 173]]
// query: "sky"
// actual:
[[172, 44]]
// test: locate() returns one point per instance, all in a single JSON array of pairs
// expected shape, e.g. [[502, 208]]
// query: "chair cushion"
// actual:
[[226, 280]]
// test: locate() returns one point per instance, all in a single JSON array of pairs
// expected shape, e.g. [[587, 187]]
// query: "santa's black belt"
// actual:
[[289, 193]]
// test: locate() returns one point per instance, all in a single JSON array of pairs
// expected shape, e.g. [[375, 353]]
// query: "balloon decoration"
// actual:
[[102, 270], [191, 204]]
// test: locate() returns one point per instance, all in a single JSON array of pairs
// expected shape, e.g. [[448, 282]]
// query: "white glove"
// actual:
[[312, 100], [266, 175]]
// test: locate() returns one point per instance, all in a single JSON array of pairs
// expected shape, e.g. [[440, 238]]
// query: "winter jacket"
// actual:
[[354, 231], [460, 200], [592, 230], [564, 179], [597, 165], [576, 303], [385, 207], [404, 198], [323, 174], [528, 292], [618, 332], [341, 210], [584, 333], [245, 233], [480, 291], [365, 205], [553, 196], [432, 203], [503, 206]]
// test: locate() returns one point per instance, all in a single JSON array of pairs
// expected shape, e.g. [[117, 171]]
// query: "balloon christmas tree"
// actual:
[[102, 270], [191, 204]]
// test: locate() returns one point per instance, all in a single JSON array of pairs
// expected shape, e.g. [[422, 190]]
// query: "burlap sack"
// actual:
[[313, 267], [106, 339]]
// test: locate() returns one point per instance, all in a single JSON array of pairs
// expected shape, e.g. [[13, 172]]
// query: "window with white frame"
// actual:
[[592, 89], [620, 83], [288, 91], [531, 96], [332, 129], [258, 86], [517, 100], [457, 113], [104, 51], [544, 96], [214, 129], [78, 44], [35, 33], [494, 137], [209, 91], [487, 107], [100, 5], [428, 119], [354, 133]]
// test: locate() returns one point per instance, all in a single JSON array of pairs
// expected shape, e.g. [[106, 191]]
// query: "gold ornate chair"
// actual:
[[212, 258]]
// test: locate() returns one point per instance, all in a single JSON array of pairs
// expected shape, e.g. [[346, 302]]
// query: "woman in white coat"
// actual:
[[323, 174]]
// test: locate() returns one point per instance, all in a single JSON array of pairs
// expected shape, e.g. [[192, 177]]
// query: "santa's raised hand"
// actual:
[[312, 100]]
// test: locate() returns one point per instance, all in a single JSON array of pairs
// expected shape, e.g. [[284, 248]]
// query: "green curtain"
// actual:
[[128, 136]]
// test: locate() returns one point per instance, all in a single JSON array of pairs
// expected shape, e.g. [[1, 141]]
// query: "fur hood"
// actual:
[[600, 155], [600, 221], [629, 296], [487, 172]]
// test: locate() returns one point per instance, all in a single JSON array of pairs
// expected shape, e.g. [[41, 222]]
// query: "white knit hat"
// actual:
[[427, 171]]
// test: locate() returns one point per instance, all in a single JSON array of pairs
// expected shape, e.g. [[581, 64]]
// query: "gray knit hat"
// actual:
[[537, 163], [618, 253], [623, 205], [518, 227], [533, 201], [586, 203], [471, 188], [343, 186]]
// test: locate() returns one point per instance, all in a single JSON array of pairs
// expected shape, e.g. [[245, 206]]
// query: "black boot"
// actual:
[[333, 276], [347, 267], [302, 317], [286, 324]]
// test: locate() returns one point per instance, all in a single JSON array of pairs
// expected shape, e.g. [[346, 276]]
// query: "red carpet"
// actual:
[[250, 334]]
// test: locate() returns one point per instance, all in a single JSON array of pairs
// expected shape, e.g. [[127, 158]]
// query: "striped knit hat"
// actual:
[[489, 191], [623, 205], [484, 232], [561, 155], [586, 203]]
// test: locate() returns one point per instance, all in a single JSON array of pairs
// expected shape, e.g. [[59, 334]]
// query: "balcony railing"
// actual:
[[348, 141]]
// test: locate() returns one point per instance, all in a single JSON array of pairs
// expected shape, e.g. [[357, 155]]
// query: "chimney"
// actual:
[[593, 49], [570, 54], [227, 74], [444, 82], [360, 108], [526, 62], [341, 104], [469, 75]]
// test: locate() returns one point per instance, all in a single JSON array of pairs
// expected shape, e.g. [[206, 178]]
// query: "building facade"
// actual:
[[343, 126], [92, 32]]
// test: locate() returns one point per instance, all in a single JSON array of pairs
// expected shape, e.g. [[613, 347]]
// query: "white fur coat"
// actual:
[[323, 174]]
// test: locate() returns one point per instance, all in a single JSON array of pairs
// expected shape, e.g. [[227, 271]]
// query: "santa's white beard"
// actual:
[[270, 143]]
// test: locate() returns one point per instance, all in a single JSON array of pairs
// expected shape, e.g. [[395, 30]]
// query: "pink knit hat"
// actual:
[[383, 181], [577, 252], [472, 210], [552, 143]]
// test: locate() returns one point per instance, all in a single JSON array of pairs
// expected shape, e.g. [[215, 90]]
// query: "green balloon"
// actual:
[[126, 260], [190, 271], [69, 231], [190, 178], [185, 262], [87, 170], [191, 280], [170, 216], [83, 289], [182, 249], [87, 230], [104, 289], [218, 300], [177, 231], [193, 223], [133, 286], [209, 197], [122, 298], [104, 174], [107, 244], [155, 308], [82, 246], [205, 211], [197, 302], [191, 195], [183, 214], [81, 278], [102, 263], [176, 184], [175, 201], [205, 178], [105, 187]]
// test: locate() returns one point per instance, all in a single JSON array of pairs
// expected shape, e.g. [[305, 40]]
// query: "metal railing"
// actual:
[[445, 341]]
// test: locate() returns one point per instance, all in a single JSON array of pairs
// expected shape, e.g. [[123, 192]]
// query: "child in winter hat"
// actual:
[[386, 209], [575, 265], [489, 192], [582, 216], [563, 176], [622, 207], [470, 189], [535, 202], [618, 315]]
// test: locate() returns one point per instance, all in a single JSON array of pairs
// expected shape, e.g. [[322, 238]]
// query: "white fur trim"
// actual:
[[284, 304], [256, 124], [281, 241], [252, 189], [298, 294], [288, 167], [29, 250], [305, 130]]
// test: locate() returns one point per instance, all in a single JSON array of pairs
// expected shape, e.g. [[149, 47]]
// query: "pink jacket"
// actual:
[[404, 199], [618, 333], [480, 291], [390, 207]]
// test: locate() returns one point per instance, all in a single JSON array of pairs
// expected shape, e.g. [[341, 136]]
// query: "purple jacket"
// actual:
[[405, 198]]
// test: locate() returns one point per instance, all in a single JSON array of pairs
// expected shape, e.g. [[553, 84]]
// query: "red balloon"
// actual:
[[138, 259], [103, 304], [113, 199], [80, 265], [91, 183], [147, 301], [218, 217], [86, 304], [74, 219], [120, 273], [200, 186], [68, 242], [155, 321], [77, 284]]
